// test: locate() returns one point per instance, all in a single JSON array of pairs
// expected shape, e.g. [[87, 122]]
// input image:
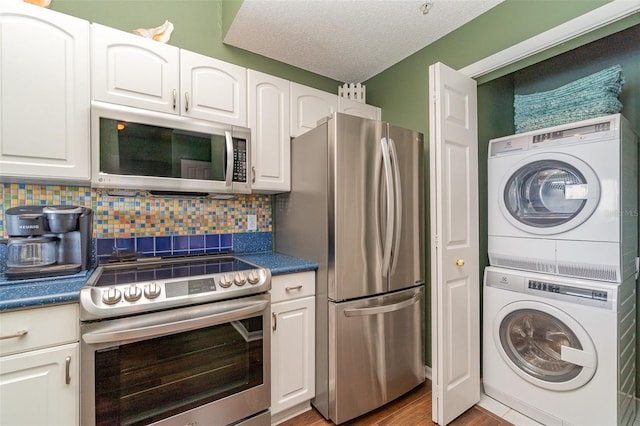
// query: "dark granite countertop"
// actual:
[[21, 294], [279, 263]]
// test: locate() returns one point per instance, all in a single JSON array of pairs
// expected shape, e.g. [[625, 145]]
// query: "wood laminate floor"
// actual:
[[412, 409]]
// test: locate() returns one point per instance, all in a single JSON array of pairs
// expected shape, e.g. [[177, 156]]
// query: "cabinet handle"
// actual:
[[275, 321], [253, 174], [175, 98], [20, 333], [295, 287], [186, 101], [67, 370]]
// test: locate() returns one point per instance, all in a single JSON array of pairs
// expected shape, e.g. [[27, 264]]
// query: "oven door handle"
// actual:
[[171, 327]]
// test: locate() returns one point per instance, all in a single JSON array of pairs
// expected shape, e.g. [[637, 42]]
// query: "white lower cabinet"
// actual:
[[292, 344], [39, 367]]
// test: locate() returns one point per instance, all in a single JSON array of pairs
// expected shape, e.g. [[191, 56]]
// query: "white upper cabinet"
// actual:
[[139, 72], [308, 106], [268, 115], [131, 70], [213, 89], [44, 94], [360, 109]]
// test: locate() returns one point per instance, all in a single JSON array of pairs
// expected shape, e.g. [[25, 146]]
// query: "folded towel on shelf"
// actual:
[[589, 97]]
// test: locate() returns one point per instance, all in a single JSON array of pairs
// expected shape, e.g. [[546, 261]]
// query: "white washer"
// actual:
[[560, 350], [564, 200]]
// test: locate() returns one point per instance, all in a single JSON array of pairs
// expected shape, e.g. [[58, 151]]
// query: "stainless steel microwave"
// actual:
[[132, 148]]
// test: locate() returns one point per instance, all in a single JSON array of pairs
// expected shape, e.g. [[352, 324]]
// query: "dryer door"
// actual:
[[549, 193], [544, 345]]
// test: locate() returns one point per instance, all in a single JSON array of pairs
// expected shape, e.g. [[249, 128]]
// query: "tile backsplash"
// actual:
[[152, 217]]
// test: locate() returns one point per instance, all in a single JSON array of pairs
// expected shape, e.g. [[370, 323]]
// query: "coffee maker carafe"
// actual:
[[48, 241]]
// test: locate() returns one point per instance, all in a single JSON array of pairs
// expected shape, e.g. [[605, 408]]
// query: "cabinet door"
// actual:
[[292, 353], [308, 105], [131, 70], [349, 106], [212, 89], [270, 142], [44, 94], [40, 387]]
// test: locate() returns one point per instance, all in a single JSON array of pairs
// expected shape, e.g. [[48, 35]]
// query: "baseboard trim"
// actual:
[[290, 413], [427, 372]]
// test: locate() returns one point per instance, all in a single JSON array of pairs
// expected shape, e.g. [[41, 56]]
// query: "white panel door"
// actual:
[[212, 89], [44, 94], [41, 387], [349, 106], [268, 116], [292, 353], [308, 105], [454, 243], [131, 70]]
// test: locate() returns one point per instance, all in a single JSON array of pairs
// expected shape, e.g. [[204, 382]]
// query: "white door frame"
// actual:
[[583, 24]]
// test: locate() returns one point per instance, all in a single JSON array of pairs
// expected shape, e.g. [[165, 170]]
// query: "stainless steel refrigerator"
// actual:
[[356, 207]]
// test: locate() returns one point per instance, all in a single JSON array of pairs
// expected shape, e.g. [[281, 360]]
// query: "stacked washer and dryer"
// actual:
[[559, 303]]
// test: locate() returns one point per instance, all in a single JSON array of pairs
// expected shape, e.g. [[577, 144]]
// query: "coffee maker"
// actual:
[[47, 241]]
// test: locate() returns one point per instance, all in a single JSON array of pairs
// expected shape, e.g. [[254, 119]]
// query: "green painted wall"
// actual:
[[402, 90], [199, 26]]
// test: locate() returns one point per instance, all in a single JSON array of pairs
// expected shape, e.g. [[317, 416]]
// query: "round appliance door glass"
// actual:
[[545, 193], [533, 341], [549, 193]]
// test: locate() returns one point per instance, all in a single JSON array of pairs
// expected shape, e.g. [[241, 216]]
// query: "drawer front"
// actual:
[[38, 328], [293, 286]]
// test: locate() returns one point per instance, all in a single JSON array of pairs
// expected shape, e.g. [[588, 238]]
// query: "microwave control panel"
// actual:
[[240, 160]]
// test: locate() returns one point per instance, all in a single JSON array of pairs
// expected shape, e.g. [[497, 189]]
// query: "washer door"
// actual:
[[544, 345], [549, 193]]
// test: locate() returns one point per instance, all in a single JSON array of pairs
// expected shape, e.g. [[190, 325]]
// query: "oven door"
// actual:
[[204, 364]]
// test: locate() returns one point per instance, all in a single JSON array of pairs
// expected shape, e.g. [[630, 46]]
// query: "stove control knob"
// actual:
[[152, 290], [240, 280], [225, 281], [132, 293], [111, 296], [253, 278]]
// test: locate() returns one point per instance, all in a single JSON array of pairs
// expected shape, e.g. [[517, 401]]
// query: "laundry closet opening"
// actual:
[[496, 112]]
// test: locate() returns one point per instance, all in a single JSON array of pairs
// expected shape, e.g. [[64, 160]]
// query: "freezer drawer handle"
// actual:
[[381, 309]]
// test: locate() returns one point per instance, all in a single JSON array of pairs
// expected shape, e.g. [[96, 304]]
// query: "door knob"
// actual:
[[460, 262]]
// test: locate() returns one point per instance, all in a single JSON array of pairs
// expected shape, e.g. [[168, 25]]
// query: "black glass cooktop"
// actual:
[[163, 269]]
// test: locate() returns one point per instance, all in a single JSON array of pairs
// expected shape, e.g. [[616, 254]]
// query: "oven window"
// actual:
[[144, 382]]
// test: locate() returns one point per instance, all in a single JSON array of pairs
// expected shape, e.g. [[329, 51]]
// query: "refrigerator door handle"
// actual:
[[360, 312], [388, 240], [397, 204]]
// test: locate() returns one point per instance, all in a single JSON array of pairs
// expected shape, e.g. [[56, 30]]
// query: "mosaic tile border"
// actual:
[[145, 216]]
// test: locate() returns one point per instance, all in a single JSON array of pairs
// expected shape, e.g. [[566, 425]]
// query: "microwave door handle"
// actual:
[[230, 160]]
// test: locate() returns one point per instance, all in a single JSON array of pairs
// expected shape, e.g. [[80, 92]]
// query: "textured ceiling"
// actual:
[[347, 40]]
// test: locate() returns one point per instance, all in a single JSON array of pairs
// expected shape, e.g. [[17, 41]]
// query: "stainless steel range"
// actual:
[[178, 341]]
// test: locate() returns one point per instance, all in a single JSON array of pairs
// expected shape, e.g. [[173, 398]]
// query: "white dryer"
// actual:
[[560, 350], [564, 200]]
